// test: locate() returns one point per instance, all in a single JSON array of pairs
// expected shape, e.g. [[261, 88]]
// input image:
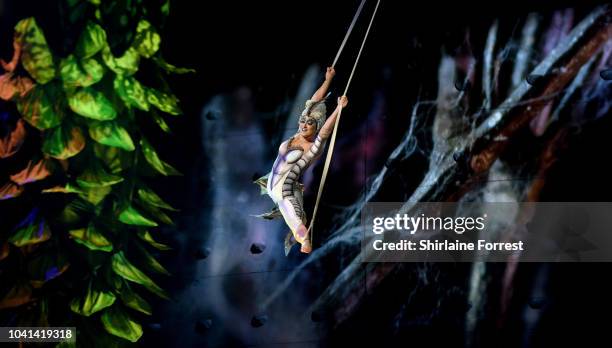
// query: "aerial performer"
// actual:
[[298, 152], [295, 155]]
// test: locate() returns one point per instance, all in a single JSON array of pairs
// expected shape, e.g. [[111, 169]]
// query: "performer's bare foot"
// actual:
[[306, 246], [301, 234]]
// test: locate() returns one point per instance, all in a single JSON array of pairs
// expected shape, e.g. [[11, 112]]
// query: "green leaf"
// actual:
[[91, 238], [160, 122], [95, 195], [32, 230], [147, 39], [146, 236], [171, 68], [152, 205], [90, 103], [68, 188], [96, 176], [63, 142], [131, 92], [131, 216], [115, 281], [94, 301], [76, 213], [93, 68], [131, 299], [164, 102], [148, 196], [153, 158], [117, 322], [36, 56], [91, 41], [114, 158], [128, 271], [42, 106], [110, 133], [151, 262], [83, 73], [165, 9], [157, 213], [125, 65]]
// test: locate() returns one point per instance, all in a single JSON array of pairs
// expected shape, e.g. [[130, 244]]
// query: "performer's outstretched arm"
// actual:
[[328, 127], [322, 91]]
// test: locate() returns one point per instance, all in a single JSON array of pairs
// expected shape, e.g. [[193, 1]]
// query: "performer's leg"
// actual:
[[290, 211], [306, 245], [289, 239]]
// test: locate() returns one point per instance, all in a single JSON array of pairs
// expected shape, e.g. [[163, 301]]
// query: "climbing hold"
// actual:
[[202, 326], [211, 115], [202, 253], [463, 86], [259, 320], [606, 74], [537, 302], [257, 248], [535, 79]]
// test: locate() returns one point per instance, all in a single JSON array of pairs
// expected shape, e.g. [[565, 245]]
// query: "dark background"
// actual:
[[267, 46]]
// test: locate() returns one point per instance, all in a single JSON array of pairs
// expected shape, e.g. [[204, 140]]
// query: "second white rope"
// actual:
[[332, 142]]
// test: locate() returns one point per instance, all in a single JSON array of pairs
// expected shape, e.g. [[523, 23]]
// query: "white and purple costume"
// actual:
[[282, 182]]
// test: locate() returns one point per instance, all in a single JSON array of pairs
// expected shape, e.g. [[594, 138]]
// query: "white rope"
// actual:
[[332, 142], [348, 32], [360, 50]]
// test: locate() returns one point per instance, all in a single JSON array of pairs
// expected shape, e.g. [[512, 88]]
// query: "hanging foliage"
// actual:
[[84, 222]]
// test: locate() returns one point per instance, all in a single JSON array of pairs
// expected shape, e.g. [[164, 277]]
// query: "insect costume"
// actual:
[[282, 182]]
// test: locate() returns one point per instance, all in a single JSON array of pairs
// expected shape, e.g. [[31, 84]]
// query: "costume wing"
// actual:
[[263, 184], [263, 187]]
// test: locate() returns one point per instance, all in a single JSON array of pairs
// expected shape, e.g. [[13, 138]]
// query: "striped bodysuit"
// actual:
[[282, 184]]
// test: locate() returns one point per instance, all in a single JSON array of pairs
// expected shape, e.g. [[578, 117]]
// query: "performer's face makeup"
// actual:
[[307, 126]]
